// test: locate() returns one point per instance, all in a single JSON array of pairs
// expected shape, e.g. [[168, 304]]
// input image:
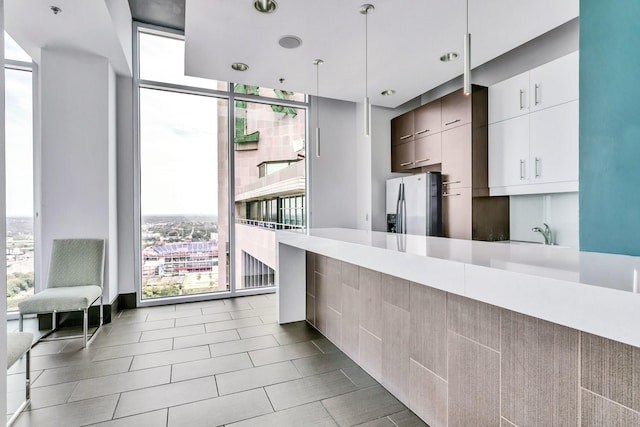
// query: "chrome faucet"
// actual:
[[546, 233]]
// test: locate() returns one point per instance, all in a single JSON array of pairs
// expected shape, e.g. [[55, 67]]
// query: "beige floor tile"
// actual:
[[119, 383], [221, 410], [149, 419], [70, 414], [204, 339], [153, 398], [146, 361], [247, 379], [207, 367]]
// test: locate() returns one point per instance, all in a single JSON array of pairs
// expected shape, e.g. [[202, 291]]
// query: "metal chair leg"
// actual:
[[28, 379], [85, 327]]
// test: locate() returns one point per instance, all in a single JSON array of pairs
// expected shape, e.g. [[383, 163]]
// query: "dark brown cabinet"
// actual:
[[451, 134], [457, 161], [421, 126], [457, 209], [402, 156], [428, 119], [456, 109], [402, 128], [428, 150]]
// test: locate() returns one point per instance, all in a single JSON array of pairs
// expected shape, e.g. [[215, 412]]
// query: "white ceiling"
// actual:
[[97, 27], [406, 40]]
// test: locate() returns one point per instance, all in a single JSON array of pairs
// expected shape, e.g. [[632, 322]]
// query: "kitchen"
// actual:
[[347, 189]]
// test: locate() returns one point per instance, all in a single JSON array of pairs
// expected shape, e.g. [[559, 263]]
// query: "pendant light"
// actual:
[[318, 63], [467, 58], [365, 9]]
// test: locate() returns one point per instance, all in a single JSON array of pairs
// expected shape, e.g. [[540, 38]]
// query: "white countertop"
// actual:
[[592, 292]]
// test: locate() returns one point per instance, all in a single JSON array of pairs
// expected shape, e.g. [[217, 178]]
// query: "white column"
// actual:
[[78, 171]]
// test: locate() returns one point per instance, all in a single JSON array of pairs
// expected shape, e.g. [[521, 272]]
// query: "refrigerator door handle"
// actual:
[[401, 211]]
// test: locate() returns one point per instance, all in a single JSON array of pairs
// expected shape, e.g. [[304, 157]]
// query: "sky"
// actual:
[[19, 135], [178, 136]]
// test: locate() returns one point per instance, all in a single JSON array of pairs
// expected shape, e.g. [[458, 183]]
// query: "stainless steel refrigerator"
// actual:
[[414, 204]]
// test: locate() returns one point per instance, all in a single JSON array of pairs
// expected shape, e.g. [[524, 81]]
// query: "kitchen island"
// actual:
[[474, 333]]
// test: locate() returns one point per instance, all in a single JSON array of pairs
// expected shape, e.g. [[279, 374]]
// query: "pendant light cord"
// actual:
[[467, 16], [318, 94], [366, 54]]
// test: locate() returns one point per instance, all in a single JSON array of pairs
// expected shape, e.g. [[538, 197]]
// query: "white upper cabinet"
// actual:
[[509, 98], [554, 83], [548, 85], [509, 152], [554, 144], [533, 130]]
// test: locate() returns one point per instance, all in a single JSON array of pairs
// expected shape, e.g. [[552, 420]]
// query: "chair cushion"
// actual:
[[76, 262], [17, 345], [61, 299]]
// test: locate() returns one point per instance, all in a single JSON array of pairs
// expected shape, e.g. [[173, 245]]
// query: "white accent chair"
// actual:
[[18, 344], [76, 276]]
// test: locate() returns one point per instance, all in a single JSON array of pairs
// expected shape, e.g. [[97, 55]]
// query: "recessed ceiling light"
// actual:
[[265, 6], [290, 42], [387, 92], [239, 66], [448, 57], [55, 9]]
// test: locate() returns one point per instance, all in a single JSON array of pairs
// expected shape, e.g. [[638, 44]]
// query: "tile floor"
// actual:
[[217, 363]]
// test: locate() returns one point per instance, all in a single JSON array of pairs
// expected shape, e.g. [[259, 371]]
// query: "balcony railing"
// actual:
[[268, 225]]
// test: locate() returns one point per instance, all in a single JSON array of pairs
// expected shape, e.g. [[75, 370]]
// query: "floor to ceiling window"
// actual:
[[269, 154], [19, 173], [189, 184]]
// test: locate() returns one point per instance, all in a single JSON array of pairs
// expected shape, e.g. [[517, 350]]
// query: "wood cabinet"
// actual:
[[428, 150], [450, 134], [457, 157], [536, 152], [402, 128], [456, 110], [457, 210], [421, 128], [428, 119], [402, 156], [464, 171]]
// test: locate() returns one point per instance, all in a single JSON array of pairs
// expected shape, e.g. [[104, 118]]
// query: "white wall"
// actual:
[[333, 181], [559, 211], [78, 153], [126, 170]]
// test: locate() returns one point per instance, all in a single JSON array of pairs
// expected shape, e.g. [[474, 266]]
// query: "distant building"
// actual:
[[179, 258]]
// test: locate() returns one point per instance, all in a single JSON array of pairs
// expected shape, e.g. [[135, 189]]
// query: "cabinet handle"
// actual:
[[422, 160], [535, 94], [450, 194], [522, 99], [451, 182], [406, 163], [537, 167], [452, 122], [406, 136], [421, 132], [522, 171]]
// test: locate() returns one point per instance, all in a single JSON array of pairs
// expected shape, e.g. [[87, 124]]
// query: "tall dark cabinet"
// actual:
[[450, 134]]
